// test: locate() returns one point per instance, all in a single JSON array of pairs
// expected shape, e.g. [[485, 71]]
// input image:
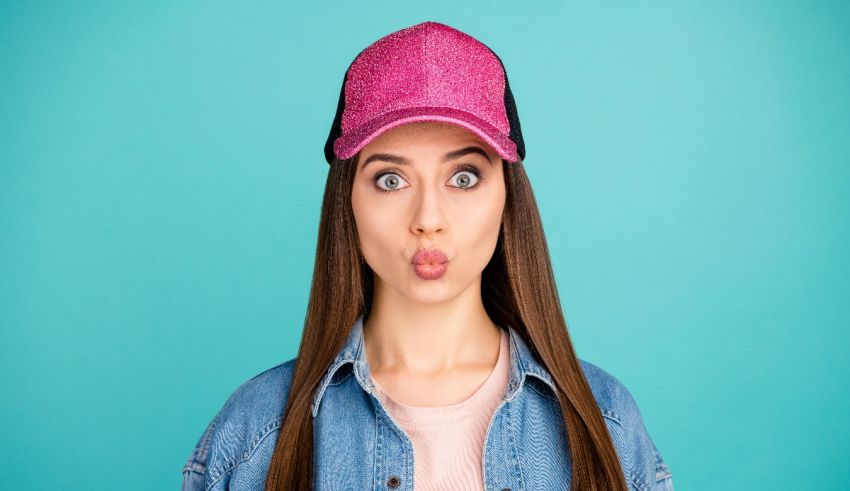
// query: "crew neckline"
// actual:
[[448, 413]]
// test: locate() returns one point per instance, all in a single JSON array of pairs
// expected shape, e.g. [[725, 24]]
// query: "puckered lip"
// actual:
[[430, 255]]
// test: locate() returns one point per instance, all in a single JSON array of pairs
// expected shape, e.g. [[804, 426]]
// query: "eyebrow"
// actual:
[[397, 159]]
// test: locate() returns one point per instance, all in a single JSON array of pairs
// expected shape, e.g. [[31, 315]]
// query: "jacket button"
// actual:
[[393, 482], [506, 489]]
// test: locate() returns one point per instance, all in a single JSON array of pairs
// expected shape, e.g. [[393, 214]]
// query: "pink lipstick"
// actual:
[[430, 264]]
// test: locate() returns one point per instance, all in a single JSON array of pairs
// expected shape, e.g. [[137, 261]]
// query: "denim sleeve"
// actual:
[[647, 471], [663, 476], [195, 469]]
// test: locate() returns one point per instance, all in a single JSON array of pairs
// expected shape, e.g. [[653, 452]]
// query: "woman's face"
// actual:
[[430, 188]]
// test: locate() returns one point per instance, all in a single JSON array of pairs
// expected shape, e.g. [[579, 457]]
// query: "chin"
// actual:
[[434, 299], [432, 291]]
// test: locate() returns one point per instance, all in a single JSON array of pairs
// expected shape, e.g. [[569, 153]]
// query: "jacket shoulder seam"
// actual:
[[196, 464], [216, 472], [267, 370], [220, 471], [609, 411]]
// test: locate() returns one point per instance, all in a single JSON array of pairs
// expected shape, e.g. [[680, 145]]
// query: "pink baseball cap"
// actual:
[[426, 72]]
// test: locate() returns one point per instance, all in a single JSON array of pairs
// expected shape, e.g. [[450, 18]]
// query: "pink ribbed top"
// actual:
[[448, 441]]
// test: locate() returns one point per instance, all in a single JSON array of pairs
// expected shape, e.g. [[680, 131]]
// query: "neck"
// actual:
[[429, 338]]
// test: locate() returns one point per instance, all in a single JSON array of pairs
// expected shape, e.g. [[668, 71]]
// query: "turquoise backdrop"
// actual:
[[161, 173]]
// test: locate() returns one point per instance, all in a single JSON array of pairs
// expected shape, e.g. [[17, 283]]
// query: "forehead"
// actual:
[[422, 135]]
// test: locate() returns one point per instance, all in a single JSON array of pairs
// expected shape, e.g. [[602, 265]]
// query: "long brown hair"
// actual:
[[518, 289]]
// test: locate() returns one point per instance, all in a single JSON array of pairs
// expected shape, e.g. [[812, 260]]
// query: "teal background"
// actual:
[[161, 173]]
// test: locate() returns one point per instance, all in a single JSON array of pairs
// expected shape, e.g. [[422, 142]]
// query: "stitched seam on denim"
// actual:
[[635, 483], [514, 451], [216, 474], [522, 366], [638, 482], [408, 459], [194, 467], [317, 401], [662, 474], [379, 450], [194, 464], [398, 431], [606, 413], [375, 467], [631, 474], [388, 422], [208, 440], [279, 365], [486, 476]]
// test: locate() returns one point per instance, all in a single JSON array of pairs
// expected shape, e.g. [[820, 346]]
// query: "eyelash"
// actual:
[[461, 168]]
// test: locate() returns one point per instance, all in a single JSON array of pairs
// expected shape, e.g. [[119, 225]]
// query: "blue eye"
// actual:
[[391, 181], [466, 178]]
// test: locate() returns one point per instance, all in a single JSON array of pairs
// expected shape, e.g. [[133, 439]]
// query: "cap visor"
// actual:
[[351, 142]]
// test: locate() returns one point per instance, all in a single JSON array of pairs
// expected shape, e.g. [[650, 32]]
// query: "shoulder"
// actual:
[[643, 465], [260, 398], [613, 398], [251, 414]]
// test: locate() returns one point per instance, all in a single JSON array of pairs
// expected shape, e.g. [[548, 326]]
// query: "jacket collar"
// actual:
[[523, 363]]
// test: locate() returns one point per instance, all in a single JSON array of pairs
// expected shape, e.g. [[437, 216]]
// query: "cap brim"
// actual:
[[351, 142]]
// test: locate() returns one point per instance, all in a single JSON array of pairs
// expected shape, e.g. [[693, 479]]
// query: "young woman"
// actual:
[[434, 354]]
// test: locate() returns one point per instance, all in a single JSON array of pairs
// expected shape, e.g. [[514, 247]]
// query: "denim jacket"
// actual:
[[358, 445]]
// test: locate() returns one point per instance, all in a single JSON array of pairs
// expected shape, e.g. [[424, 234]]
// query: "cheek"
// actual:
[[378, 233], [477, 229]]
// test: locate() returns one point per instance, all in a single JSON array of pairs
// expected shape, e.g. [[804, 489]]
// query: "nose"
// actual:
[[428, 217]]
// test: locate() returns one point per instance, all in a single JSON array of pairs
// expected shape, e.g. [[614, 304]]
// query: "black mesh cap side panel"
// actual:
[[336, 127], [511, 112], [513, 118]]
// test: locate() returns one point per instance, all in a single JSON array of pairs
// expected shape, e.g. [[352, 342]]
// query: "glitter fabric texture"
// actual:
[[426, 72]]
